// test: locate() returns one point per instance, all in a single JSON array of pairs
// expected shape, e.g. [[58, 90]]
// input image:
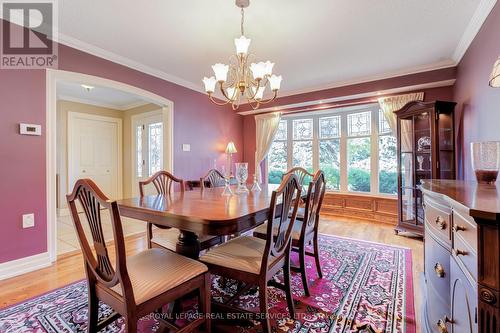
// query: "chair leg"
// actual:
[[264, 317], [288, 288], [131, 324], [93, 310], [205, 300], [149, 234], [316, 257], [303, 270]]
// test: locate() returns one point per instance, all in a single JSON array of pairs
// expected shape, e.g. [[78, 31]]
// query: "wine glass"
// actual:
[[241, 177], [227, 176]]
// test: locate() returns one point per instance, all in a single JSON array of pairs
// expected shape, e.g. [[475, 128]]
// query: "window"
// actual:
[[277, 157], [329, 150], [387, 177], [148, 144], [355, 149], [359, 152]]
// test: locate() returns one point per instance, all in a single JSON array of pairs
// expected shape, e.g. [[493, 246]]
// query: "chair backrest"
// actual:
[[280, 224], [214, 178], [99, 265], [313, 202], [302, 174], [163, 181]]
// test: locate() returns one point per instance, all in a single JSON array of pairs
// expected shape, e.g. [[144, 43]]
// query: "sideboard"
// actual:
[[461, 281]]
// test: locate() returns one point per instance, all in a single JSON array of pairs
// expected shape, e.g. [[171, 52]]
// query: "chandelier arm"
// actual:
[[252, 97], [224, 93], [217, 103], [254, 106], [270, 99]]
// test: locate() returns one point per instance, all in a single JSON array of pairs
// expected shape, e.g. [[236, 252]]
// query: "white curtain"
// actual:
[[266, 126], [393, 103]]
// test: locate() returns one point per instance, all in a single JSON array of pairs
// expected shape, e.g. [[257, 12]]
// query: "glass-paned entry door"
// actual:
[[148, 143]]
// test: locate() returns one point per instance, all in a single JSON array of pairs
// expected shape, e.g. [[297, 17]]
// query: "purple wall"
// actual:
[[478, 102], [197, 121]]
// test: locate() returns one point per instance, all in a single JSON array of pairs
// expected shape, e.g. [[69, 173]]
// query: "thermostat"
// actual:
[[30, 129]]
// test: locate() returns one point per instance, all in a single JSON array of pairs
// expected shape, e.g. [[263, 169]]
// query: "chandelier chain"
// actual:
[[242, 21]]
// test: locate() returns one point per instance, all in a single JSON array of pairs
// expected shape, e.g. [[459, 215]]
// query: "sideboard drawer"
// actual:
[[465, 228], [437, 267], [438, 217], [465, 255]]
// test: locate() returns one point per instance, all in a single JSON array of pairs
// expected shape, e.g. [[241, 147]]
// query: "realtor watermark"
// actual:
[[28, 35]]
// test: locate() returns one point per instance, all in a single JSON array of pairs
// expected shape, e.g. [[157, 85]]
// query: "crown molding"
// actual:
[[133, 105], [480, 15], [376, 94], [95, 103], [124, 61]]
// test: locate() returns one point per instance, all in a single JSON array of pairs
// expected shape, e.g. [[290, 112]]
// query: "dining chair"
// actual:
[[167, 237], [255, 261], [137, 285], [301, 173], [214, 178], [305, 230]]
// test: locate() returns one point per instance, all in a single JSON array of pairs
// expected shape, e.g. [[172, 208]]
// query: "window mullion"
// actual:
[[289, 143], [315, 144]]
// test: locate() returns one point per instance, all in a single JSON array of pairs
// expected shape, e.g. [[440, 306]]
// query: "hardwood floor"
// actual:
[[69, 268]]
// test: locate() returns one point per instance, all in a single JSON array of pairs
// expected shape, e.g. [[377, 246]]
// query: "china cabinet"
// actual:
[[426, 150]]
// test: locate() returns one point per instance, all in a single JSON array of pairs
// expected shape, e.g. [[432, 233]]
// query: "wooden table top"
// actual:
[[205, 212], [482, 200]]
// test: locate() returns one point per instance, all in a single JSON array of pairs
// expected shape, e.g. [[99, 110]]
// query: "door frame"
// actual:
[[72, 116], [53, 76], [133, 146]]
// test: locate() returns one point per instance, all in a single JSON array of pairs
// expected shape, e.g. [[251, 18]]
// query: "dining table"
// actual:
[[201, 212]]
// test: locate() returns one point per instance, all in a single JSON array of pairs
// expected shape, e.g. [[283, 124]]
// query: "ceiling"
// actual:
[[315, 44], [98, 96]]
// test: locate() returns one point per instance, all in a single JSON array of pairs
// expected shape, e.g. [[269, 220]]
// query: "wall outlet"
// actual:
[[28, 220], [186, 147]]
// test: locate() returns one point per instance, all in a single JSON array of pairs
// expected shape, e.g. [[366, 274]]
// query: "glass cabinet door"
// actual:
[[407, 170], [446, 153]]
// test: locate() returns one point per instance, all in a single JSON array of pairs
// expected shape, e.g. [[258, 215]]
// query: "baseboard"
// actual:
[[24, 265]]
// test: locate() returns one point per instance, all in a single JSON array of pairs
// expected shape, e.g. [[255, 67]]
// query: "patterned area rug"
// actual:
[[366, 287]]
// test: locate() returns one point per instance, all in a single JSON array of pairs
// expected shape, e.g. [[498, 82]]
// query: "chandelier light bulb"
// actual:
[[210, 83], [275, 82], [258, 70], [269, 68], [220, 71], [242, 45]]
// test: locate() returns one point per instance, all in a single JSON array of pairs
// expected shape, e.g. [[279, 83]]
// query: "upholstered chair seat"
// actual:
[[244, 253], [261, 231], [154, 271]]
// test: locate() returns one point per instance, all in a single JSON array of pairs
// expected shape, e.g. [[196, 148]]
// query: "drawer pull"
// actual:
[[460, 252], [441, 223], [441, 324], [457, 228], [438, 268]]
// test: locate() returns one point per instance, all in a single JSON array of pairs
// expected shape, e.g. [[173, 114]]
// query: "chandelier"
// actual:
[[239, 80]]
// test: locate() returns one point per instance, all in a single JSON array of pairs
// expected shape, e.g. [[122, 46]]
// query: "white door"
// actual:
[[148, 137], [94, 151]]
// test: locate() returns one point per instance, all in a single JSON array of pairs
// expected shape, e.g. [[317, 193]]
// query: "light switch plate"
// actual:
[[28, 220], [186, 147], [30, 129]]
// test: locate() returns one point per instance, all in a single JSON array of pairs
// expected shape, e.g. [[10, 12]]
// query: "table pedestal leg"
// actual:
[[188, 244]]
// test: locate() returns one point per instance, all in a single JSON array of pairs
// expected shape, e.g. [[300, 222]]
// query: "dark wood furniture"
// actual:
[[196, 213], [305, 230], [461, 282], [255, 261], [426, 150], [302, 174], [213, 178], [167, 237], [140, 284]]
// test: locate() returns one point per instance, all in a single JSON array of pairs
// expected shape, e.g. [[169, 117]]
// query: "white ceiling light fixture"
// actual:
[[87, 87], [240, 79], [495, 75]]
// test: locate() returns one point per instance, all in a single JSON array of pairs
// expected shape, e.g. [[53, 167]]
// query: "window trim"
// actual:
[[374, 144]]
